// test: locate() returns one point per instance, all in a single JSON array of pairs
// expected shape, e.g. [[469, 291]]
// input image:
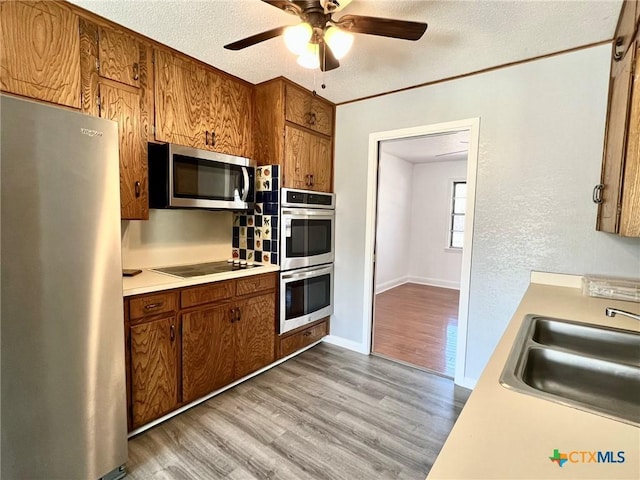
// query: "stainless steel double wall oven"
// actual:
[[307, 222]]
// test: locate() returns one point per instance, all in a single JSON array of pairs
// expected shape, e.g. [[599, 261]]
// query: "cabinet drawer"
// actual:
[[258, 283], [309, 111], [301, 339], [152, 305], [211, 292]]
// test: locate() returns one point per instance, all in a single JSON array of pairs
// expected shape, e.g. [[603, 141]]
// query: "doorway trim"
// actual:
[[473, 125]]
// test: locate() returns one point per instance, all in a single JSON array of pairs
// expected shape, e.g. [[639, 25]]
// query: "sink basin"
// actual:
[[588, 367]]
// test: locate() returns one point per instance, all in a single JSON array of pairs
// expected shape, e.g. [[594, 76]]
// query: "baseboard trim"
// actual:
[[434, 282], [345, 343], [396, 282], [466, 382]]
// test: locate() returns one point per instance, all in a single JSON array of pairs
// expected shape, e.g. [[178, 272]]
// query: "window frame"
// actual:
[[450, 229]]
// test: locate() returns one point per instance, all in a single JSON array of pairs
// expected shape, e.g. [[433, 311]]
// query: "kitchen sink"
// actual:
[[588, 367]]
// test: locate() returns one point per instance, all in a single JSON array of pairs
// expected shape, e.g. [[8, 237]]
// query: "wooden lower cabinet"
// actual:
[[297, 339], [154, 369], [186, 343], [207, 351]]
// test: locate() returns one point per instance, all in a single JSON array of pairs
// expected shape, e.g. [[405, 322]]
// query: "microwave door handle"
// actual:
[[245, 186]]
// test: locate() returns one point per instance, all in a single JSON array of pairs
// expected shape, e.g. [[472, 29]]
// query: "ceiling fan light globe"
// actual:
[[296, 37], [339, 41], [309, 58]]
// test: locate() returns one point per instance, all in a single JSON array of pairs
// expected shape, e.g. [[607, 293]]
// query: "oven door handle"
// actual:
[[304, 213], [308, 274], [245, 186], [287, 228]]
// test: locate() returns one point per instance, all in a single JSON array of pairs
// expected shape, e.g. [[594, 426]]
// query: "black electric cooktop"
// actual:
[[198, 269]]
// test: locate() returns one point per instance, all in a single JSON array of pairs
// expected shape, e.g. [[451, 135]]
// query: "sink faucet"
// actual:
[[612, 312]]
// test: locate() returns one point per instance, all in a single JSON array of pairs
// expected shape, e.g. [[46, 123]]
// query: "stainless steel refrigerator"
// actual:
[[63, 400]]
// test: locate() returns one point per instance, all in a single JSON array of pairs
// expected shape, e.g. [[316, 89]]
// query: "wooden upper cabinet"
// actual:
[[118, 57], [630, 211], [181, 100], [40, 51], [199, 107], [292, 128], [307, 160], [615, 143], [627, 22], [305, 109], [124, 107], [230, 115]]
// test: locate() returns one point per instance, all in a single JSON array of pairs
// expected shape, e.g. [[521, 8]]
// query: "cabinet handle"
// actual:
[[618, 50], [311, 180], [232, 314], [136, 74], [172, 332], [213, 138], [137, 186], [597, 193], [311, 118], [206, 137], [306, 334], [153, 306], [238, 314]]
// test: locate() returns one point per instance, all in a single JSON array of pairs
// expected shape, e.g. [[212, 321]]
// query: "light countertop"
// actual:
[[503, 434], [149, 281]]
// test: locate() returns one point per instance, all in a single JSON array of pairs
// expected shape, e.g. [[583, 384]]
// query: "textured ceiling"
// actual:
[[439, 147], [463, 37]]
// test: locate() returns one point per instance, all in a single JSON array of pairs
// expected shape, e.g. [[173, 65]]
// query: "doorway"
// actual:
[[419, 243], [411, 296]]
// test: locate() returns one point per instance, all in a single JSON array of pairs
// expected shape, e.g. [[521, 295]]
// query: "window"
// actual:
[[458, 209]]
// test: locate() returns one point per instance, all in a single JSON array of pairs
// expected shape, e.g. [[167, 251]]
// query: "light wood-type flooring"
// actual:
[[418, 324], [326, 414]]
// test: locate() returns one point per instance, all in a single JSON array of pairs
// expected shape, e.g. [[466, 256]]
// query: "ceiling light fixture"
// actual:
[[303, 39]]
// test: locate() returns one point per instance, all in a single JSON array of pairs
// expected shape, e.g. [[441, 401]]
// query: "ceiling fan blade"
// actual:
[[254, 39], [327, 60], [285, 5], [385, 27]]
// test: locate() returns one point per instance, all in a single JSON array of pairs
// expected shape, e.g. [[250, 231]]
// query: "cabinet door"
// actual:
[[305, 109], [181, 100], [255, 334], [207, 351], [154, 369], [230, 116], [321, 166], [630, 214], [119, 57], [40, 51], [297, 158], [123, 106], [615, 142]]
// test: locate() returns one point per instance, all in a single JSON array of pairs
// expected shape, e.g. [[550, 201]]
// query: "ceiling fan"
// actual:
[[320, 40]]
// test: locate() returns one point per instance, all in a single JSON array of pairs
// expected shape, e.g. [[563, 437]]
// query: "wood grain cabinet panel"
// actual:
[[154, 369], [292, 128], [211, 292], [153, 304], [119, 57], [40, 51], [181, 100], [124, 107], [230, 116], [254, 336], [305, 109], [630, 211], [307, 160], [255, 284], [207, 351], [300, 339]]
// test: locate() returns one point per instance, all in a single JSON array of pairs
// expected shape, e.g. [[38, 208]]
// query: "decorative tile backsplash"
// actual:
[[255, 233]]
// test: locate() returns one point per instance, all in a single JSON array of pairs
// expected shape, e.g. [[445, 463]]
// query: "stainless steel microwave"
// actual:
[[184, 177]]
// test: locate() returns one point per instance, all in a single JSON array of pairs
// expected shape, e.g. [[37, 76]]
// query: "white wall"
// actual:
[[431, 262], [173, 237], [394, 222], [541, 135]]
